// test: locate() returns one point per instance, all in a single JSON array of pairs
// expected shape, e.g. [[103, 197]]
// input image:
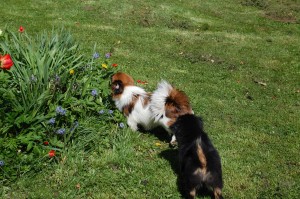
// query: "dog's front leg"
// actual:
[[173, 141], [132, 124]]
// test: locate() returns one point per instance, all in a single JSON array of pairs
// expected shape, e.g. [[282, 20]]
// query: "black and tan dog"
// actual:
[[200, 163]]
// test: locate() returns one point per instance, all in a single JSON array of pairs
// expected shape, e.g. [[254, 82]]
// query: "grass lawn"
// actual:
[[239, 62]]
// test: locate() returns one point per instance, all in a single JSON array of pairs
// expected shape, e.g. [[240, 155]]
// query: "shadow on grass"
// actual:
[[171, 155], [158, 132]]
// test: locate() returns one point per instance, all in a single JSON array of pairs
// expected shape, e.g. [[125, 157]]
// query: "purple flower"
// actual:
[[61, 131], [121, 125], [96, 55], [2, 163], [51, 121], [110, 111], [107, 55], [101, 112], [94, 93], [60, 111], [33, 78]]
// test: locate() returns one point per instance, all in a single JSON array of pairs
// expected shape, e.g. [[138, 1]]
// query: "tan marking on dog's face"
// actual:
[[217, 193], [119, 81], [202, 159], [177, 104]]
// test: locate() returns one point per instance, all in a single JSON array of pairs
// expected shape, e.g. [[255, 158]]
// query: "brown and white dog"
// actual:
[[167, 104], [133, 101]]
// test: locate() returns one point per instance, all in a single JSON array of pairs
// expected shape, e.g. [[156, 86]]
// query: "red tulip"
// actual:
[[21, 29], [46, 143], [51, 153], [6, 62], [114, 65]]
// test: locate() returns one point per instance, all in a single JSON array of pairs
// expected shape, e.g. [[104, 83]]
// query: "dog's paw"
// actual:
[[134, 128], [173, 143], [132, 124]]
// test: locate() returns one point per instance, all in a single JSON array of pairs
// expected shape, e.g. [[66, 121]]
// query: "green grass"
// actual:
[[219, 53]]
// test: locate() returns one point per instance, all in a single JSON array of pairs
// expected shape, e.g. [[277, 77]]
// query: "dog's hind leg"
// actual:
[[218, 193], [192, 193]]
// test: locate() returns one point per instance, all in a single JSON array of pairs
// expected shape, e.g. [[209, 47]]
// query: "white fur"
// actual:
[[140, 114], [157, 104]]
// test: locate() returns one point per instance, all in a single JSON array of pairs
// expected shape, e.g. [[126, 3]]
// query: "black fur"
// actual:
[[189, 133]]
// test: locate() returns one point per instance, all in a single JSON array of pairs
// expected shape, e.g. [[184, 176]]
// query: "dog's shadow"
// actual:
[[158, 132], [171, 155]]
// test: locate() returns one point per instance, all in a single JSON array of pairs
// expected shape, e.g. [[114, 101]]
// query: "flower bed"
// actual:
[[47, 86]]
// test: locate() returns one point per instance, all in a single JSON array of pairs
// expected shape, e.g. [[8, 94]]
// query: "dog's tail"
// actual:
[[167, 101], [159, 98]]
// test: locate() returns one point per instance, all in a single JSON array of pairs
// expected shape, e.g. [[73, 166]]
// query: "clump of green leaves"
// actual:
[[50, 87]]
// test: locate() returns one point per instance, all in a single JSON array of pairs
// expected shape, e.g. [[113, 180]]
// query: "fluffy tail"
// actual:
[[169, 102], [159, 98]]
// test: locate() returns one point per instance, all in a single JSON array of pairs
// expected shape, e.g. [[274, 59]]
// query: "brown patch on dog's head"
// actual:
[[118, 82], [177, 104]]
